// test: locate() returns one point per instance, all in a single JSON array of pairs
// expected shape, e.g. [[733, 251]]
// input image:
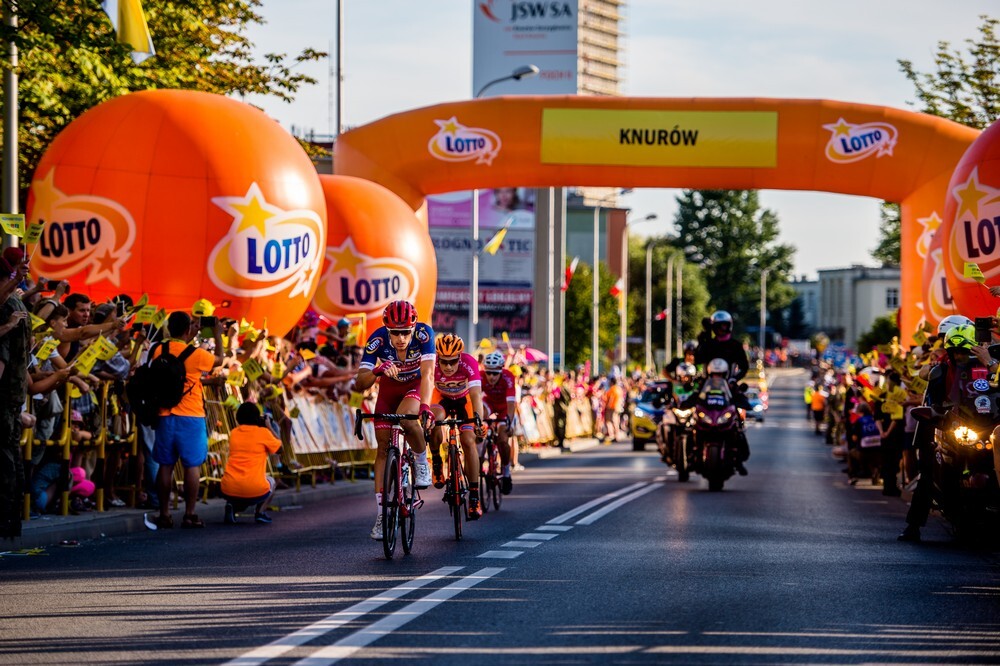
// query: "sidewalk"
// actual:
[[52, 530]]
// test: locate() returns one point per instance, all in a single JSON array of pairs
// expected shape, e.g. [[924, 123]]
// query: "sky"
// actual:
[[404, 54]]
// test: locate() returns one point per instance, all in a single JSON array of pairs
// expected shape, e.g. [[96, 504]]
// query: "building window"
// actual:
[[892, 298]]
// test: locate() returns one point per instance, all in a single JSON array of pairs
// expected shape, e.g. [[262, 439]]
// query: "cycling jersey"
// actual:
[[458, 384], [498, 394], [379, 350]]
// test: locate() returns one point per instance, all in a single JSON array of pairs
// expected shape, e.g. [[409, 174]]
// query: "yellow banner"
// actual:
[[736, 139]]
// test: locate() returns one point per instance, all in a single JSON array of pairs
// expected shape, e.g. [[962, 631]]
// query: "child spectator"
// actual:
[[864, 444], [245, 480]]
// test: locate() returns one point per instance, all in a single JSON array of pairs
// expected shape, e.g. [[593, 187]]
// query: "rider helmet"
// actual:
[[717, 366], [690, 347], [952, 321], [722, 321], [960, 337], [493, 361], [399, 314], [449, 345], [685, 371]]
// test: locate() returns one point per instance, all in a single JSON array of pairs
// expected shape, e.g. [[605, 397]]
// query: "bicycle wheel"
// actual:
[[408, 512], [455, 476], [390, 502], [485, 489], [497, 472]]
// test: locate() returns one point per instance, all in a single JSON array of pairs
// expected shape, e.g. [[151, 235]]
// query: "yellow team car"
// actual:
[[647, 412]]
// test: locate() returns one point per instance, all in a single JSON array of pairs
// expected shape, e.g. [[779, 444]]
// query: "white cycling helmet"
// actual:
[[717, 366], [493, 361], [951, 321], [685, 371]]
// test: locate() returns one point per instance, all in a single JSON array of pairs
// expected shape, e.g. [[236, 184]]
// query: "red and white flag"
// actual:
[[661, 315], [618, 287], [569, 272]]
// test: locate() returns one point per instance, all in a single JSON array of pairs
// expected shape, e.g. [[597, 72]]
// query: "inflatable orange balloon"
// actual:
[[938, 302], [377, 252], [182, 195], [972, 226]]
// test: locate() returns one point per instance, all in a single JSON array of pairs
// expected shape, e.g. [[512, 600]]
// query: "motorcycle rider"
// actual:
[[689, 348], [720, 344], [947, 380]]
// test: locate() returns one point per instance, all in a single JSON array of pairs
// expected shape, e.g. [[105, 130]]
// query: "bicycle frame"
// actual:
[[491, 468], [458, 483]]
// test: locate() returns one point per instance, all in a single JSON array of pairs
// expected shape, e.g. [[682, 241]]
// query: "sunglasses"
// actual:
[[448, 361], [400, 332], [491, 372]]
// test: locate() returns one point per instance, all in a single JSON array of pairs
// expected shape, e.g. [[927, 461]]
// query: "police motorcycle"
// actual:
[[718, 425], [965, 464], [648, 412], [675, 435]]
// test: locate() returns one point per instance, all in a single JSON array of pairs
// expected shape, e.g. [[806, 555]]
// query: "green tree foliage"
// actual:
[[882, 331], [70, 61], [888, 249], [733, 240], [580, 316], [962, 88]]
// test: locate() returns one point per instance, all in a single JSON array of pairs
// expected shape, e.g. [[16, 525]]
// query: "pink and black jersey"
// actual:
[[465, 377], [498, 394]]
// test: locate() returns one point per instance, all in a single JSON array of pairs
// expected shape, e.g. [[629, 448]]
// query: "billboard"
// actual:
[[508, 34], [506, 278]]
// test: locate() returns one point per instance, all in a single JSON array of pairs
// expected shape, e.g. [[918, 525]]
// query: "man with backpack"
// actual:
[[171, 381]]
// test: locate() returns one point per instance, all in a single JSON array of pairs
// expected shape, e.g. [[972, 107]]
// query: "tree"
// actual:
[[882, 331], [795, 320], [966, 91], [733, 240], [888, 249], [580, 315], [70, 61]]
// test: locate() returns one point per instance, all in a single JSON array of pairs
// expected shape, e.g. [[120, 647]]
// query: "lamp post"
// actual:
[[668, 321], [522, 72], [678, 306], [623, 311], [763, 310], [595, 349]]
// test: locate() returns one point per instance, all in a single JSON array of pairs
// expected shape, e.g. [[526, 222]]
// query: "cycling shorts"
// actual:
[[390, 394], [461, 407]]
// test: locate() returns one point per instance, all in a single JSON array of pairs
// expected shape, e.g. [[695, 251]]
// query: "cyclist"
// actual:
[[499, 393], [400, 354], [456, 383]]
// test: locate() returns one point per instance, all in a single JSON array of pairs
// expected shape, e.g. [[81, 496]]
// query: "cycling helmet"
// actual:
[[717, 366], [952, 321], [399, 314], [690, 347], [686, 371], [449, 345], [960, 337], [343, 321], [721, 321], [493, 361]]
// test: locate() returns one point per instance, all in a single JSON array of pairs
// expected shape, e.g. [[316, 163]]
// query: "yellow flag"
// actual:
[[129, 22], [36, 322], [356, 400], [105, 349], [34, 233], [46, 349], [920, 337], [145, 314], [158, 318], [494, 244], [972, 271], [13, 224], [252, 369], [306, 354], [231, 402]]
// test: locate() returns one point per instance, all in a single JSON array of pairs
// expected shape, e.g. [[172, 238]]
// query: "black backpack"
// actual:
[[159, 384]]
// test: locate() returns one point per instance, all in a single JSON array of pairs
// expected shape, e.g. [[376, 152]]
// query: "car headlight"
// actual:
[[682, 413], [639, 413], [965, 436]]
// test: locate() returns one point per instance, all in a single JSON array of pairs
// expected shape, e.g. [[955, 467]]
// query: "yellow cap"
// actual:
[[202, 308]]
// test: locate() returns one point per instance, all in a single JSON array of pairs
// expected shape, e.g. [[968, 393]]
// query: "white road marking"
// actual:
[[522, 544], [558, 520], [553, 528], [295, 639], [501, 554], [347, 646], [538, 536], [600, 513]]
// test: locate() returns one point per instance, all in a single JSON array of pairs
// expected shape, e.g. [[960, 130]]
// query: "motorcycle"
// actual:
[[965, 488], [675, 435], [717, 427]]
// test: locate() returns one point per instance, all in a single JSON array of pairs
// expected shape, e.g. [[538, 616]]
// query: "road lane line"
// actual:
[[553, 528], [600, 513], [522, 544], [558, 520], [326, 625], [501, 554], [348, 645], [538, 536]]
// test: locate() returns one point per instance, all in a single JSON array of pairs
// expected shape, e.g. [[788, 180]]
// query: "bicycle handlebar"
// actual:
[[360, 416], [456, 422]]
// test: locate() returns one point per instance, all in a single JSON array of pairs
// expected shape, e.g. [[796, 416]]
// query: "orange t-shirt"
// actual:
[[614, 397], [246, 469], [201, 361]]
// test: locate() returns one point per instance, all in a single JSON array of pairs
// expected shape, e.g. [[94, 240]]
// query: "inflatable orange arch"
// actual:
[[777, 144]]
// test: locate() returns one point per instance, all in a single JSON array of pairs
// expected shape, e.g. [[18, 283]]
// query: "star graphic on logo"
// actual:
[[345, 258], [450, 126], [930, 223], [840, 128], [46, 195], [251, 211], [969, 194]]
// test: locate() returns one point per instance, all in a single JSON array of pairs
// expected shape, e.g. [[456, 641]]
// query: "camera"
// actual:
[[119, 309], [48, 285], [208, 322], [984, 327]]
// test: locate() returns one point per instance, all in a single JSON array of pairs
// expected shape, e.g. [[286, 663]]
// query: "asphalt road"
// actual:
[[597, 557]]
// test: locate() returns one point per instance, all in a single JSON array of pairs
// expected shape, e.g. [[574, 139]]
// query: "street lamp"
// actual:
[[520, 73], [596, 304], [649, 303], [623, 310], [763, 310]]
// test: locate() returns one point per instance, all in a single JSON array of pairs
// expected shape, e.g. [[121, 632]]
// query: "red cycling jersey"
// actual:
[[498, 394]]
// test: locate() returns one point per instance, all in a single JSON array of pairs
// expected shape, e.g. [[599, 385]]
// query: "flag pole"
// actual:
[[9, 194]]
